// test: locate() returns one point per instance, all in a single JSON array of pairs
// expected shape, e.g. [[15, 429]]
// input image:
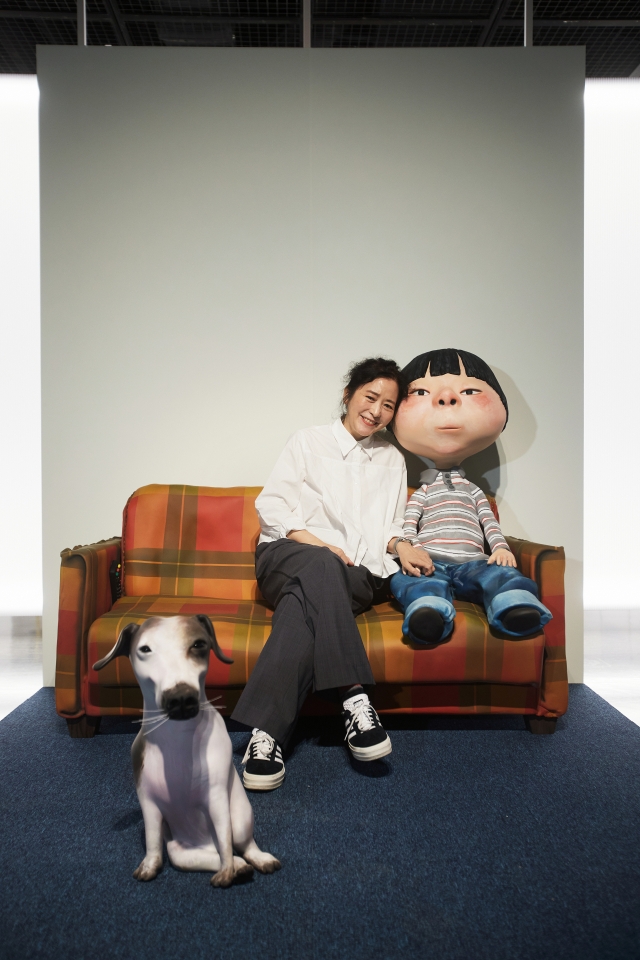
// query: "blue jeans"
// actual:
[[499, 589]]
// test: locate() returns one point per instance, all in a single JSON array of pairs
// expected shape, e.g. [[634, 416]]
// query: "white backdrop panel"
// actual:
[[223, 231], [20, 492], [612, 308]]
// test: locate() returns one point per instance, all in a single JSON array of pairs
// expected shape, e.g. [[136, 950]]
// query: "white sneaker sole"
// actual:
[[375, 752], [254, 782]]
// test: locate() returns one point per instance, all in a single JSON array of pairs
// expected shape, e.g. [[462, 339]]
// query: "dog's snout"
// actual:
[[182, 702]]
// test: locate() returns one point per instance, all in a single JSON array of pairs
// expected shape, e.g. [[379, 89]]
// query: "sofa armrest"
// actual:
[[545, 566], [85, 594]]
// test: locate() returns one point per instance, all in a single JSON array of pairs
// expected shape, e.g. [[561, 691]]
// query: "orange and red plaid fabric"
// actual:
[[545, 566], [190, 550], [85, 594], [180, 541]]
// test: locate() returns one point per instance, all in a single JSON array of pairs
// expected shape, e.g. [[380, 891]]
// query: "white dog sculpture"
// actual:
[[187, 785]]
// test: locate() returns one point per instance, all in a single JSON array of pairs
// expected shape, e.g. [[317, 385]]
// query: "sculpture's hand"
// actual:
[[503, 558]]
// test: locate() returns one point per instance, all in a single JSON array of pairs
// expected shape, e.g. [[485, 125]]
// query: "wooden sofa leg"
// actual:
[[84, 726], [543, 725]]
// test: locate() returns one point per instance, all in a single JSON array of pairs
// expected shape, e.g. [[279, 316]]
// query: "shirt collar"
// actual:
[[430, 475], [347, 443]]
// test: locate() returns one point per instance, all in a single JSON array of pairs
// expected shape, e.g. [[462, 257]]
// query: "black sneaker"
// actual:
[[264, 768], [365, 735], [522, 620], [426, 625]]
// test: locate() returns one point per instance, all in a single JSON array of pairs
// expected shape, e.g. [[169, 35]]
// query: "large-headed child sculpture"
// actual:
[[456, 408]]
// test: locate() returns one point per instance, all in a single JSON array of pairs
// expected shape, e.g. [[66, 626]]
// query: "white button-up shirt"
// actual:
[[350, 493]]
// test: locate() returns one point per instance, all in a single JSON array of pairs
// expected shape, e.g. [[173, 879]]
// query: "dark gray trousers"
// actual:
[[314, 641]]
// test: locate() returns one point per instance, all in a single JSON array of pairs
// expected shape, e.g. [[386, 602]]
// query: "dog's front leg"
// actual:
[[242, 823], [221, 820], [152, 863]]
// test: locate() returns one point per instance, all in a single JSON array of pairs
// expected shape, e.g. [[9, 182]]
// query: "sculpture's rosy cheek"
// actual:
[[488, 415], [412, 413], [488, 405]]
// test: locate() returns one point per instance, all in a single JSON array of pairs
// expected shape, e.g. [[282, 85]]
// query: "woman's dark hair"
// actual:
[[374, 368], [439, 362]]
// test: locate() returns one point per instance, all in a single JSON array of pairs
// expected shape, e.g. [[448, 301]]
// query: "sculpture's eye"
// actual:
[[144, 649], [200, 645], [420, 393]]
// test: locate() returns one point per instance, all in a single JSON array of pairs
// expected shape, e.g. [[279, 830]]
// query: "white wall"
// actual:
[[223, 231], [20, 480], [612, 335]]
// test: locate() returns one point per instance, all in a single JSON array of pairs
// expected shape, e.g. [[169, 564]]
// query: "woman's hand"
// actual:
[[303, 536], [338, 552], [503, 558], [414, 560]]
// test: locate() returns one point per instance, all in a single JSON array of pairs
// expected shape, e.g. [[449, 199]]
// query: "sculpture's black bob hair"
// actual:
[[374, 368], [439, 362]]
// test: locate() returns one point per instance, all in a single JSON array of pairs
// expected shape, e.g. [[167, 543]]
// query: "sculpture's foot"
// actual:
[[426, 625], [522, 620]]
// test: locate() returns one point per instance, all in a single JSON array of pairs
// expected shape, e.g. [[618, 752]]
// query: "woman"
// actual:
[[331, 516]]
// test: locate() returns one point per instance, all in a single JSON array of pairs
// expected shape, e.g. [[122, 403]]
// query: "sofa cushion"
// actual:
[[473, 654], [186, 541]]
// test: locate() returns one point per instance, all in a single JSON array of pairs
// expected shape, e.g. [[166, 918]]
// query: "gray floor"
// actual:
[[612, 658], [20, 660], [611, 642]]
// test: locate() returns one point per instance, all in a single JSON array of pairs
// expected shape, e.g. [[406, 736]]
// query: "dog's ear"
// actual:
[[206, 624], [122, 647]]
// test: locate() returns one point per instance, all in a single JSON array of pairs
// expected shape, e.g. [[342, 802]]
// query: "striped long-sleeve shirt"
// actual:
[[451, 518]]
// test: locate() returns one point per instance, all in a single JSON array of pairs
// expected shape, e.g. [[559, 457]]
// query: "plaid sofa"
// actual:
[[187, 550]]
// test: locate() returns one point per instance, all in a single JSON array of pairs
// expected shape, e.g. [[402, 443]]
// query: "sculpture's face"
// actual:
[[449, 418]]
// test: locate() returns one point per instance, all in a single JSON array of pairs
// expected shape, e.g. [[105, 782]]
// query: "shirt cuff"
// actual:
[[292, 523], [396, 531], [501, 546]]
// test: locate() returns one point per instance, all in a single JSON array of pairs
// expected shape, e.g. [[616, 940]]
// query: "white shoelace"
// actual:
[[361, 714], [260, 747]]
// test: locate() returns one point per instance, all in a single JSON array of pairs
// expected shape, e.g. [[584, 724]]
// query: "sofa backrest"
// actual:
[[180, 541]]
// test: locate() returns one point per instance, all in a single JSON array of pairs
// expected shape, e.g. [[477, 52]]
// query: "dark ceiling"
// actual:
[[610, 29]]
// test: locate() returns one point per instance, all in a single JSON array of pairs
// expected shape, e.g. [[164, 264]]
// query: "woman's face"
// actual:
[[371, 407]]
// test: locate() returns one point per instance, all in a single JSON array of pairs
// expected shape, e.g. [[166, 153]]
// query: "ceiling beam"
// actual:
[[495, 20], [307, 29], [488, 23], [140, 17], [119, 24], [42, 15], [546, 22], [402, 21], [191, 18], [494, 16]]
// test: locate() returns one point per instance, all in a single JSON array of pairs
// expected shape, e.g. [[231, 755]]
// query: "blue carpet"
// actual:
[[477, 840]]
